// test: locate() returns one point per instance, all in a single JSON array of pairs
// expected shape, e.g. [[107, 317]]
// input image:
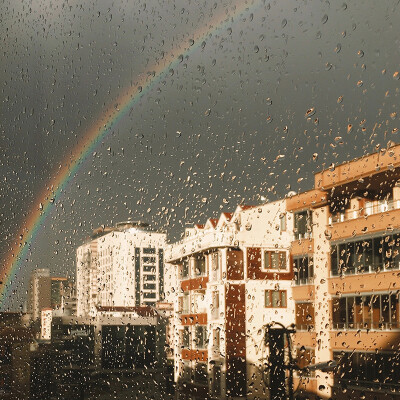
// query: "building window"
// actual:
[[303, 225], [303, 270], [186, 371], [185, 337], [149, 286], [366, 255], [217, 341], [199, 265], [149, 250], [216, 380], [215, 261], [201, 373], [215, 304], [304, 316], [275, 260], [183, 304], [185, 268], [201, 337], [378, 311], [368, 369], [275, 298], [282, 220]]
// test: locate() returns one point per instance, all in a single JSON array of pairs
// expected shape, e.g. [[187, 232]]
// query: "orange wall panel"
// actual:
[[382, 281], [385, 221], [300, 247], [194, 283], [194, 319]]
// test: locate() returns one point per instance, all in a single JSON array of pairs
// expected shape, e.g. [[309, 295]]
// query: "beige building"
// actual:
[[346, 255]]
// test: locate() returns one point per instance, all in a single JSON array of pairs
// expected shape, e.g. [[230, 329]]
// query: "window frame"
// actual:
[[270, 252], [268, 294]]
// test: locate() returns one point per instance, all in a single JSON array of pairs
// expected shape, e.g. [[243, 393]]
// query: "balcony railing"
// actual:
[[305, 327], [304, 281], [379, 326], [364, 212], [303, 235]]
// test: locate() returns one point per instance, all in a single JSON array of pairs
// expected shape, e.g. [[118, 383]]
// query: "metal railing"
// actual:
[[304, 281], [364, 212], [379, 326]]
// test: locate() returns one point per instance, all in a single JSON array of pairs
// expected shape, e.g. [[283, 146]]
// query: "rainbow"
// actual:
[[20, 249]]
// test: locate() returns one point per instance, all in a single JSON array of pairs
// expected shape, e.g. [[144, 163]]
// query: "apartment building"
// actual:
[[346, 258], [120, 267], [234, 276]]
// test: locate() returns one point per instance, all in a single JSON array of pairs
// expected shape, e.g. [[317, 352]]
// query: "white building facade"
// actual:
[[121, 268]]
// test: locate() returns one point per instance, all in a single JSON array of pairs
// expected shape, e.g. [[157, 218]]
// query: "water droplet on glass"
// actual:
[[248, 226], [191, 42], [269, 119], [207, 112], [324, 19], [360, 83], [396, 75], [256, 49], [315, 156], [344, 6], [284, 22], [338, 48], [328, 66], [360, 53], [269, 101], [349, 128], [310, 112], [340, 99]]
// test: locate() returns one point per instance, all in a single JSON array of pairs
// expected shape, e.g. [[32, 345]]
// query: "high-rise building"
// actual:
[[234, 277], [120, 267], [39, 292]]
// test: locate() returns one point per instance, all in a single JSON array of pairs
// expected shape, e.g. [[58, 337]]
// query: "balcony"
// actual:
[[348, 215]]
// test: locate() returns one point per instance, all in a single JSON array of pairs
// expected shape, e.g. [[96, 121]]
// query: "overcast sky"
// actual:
[[208, 135]]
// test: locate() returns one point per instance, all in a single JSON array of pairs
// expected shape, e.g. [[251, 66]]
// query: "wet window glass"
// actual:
[[199, 200]]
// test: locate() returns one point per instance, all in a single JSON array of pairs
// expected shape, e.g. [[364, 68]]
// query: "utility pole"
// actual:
[[278, 363], [275, 334]]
